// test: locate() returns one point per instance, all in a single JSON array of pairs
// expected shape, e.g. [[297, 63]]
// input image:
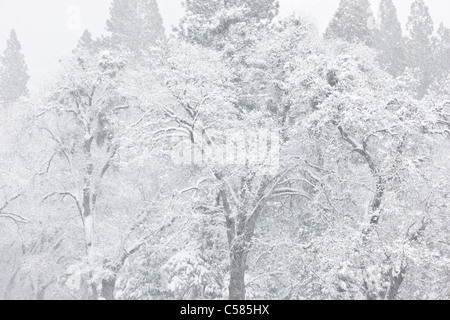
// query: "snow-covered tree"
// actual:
[[86, 43], [211, 23], [14, 72], [389, 39], [86, 102], [191, 110], [442, 51], [419, 45], [351, 22], [374, 149], [135, 25]]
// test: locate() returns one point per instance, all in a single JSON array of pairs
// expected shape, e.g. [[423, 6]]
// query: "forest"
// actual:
[[238, 156]]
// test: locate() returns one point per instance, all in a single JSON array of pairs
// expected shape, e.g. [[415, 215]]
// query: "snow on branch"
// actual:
[[12, 216], [63, 195]]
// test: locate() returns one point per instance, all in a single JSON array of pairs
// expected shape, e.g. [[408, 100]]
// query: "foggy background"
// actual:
[[43, 30]]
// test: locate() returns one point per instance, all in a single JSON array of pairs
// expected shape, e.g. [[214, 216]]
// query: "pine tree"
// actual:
[[14, 74], [419, 45], [86, 43], [442, 49], [209, 23], [389, 39], [351, 22], [135, 24]]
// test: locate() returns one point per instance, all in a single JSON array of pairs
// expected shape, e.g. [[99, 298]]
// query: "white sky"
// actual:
[[44, 30]]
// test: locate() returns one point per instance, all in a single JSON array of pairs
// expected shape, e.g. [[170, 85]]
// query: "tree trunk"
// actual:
[[236, 289], [240, 231], [40, 295], [112, 268], [10, 285], [108, 287], [396, 280], [377, 200]]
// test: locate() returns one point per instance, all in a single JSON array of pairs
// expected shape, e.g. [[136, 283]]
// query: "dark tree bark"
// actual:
[[10, 286], [396, 281], [238, 258], [113, 265], [240, 231], [108, 287]]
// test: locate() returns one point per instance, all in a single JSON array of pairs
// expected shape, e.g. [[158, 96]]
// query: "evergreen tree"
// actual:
[[86, 43], [389, 39], [351, 22], [209, 23], [135, 24], [442, 52], [14, 74], [419, 45]]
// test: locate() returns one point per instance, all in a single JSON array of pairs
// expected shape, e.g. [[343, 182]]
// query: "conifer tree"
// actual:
[[14, 73], [135, 24], [442, 51], [209, 23], [86, 43], [351, 22], [389, 39], [419, 45]]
